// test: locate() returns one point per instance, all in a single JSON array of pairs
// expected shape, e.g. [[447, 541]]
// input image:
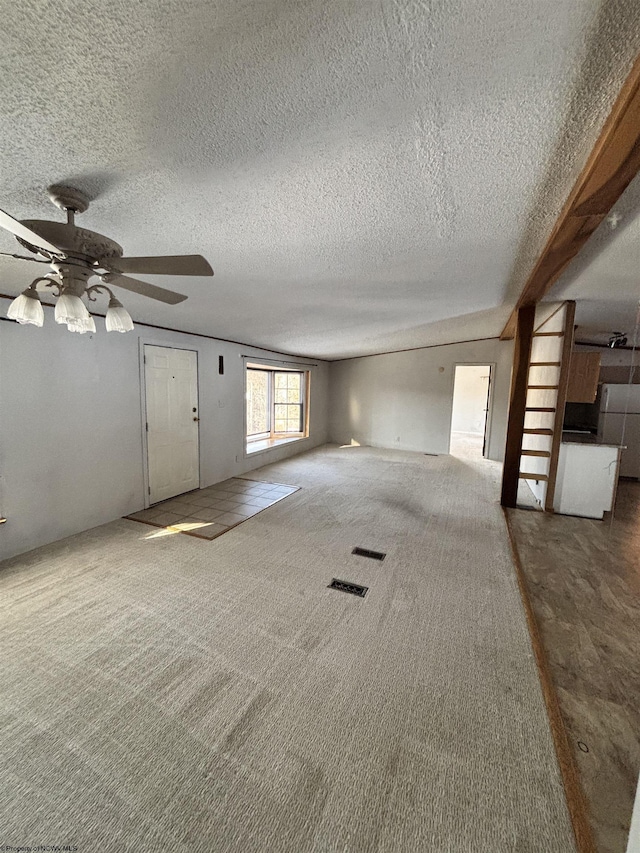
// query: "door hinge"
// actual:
[[149, 490], [147, 426]]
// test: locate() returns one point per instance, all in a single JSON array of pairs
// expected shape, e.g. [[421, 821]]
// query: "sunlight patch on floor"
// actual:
[[466, 445], [177, 528]]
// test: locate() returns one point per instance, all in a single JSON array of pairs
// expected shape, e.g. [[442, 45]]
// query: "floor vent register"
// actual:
[[347, 586], [365, 552]]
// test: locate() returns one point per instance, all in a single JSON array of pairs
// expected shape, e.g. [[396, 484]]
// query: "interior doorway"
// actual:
[[470, 411], [171, 395]]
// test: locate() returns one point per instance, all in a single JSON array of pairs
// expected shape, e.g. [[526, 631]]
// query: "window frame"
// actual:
[[259, 436], [301, 406], [265, 440]]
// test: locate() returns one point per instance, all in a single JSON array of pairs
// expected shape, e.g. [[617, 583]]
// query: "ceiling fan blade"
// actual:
[[19, 230], [162, 265], [143, 288]]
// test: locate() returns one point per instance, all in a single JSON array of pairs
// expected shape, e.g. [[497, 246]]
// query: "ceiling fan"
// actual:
[[75, 255]]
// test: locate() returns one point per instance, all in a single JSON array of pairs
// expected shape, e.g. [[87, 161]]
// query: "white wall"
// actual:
[[403, 400], [470, 398], [71, 425]]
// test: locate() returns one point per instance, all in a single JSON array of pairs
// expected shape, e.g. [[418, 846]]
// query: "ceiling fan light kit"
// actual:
[[69, 309], [75, 255]]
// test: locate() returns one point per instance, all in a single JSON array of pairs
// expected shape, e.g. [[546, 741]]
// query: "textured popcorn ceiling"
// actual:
[[363, 176]]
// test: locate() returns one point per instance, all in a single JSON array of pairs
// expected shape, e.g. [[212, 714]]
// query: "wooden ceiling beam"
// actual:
[[612, 165]]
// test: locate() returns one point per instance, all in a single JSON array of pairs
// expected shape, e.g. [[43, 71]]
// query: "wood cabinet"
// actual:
[[584, 372]]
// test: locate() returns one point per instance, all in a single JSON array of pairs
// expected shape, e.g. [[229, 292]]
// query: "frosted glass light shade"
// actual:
[[27, 308], [70, 309], [118, 318], [82, 326]]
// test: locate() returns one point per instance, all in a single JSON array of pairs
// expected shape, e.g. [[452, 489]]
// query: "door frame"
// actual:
[[488, 424], [142, 342]]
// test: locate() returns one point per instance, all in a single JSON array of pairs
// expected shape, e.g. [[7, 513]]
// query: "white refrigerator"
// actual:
[[619, 423]]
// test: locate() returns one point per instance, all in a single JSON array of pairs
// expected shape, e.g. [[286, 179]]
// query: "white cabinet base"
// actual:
[[587, 479]]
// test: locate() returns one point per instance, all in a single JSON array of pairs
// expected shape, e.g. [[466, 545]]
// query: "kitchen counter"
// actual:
[[579, 436]]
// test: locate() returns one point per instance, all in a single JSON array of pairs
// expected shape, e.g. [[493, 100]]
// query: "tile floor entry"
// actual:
[[208, 513]]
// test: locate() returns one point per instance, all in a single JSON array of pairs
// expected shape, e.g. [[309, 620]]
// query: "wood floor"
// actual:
[[583, 578]]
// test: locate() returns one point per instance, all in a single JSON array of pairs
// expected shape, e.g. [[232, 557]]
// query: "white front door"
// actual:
[[171, 383]]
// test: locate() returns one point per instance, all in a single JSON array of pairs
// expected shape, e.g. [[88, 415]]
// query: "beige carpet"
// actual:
[[171, 694]]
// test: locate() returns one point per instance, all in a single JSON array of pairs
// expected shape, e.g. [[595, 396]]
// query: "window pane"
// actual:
[[291, 420], [294, 380], [281, 395], [281, 412], [293, 396], [258, 419], [281, 380]]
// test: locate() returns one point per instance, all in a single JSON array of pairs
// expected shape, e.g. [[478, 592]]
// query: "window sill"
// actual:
[[270, 443]]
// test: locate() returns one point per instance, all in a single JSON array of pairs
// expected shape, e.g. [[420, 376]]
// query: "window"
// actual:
[[276, 403]]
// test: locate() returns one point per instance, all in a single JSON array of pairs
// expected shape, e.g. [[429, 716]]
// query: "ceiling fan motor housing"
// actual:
[[73, 277], [80, 243]]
